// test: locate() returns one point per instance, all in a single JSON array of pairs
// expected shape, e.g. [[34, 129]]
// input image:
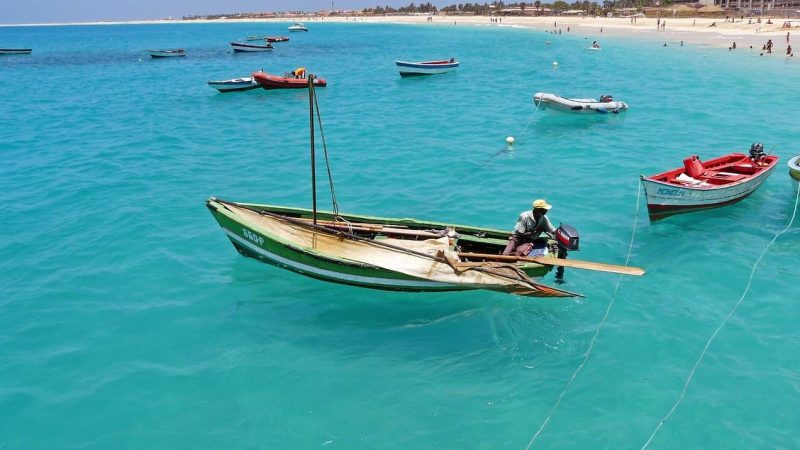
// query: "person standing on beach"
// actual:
[[658, 24], [787, 37], [769, 46]]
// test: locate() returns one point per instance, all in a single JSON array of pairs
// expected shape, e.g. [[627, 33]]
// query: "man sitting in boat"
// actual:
[[595, 44], [529, 226], [300, 72]]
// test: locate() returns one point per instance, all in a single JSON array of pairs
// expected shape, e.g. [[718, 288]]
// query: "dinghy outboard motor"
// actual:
[[757, 152], [567, 238]]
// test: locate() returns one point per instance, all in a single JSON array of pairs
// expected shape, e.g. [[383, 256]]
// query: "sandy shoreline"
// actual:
[[697, 31]]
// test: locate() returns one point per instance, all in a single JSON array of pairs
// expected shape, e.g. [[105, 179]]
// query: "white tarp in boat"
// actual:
[[445, 269]]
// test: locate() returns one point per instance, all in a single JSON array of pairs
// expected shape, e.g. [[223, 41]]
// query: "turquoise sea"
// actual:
[[127, 319]]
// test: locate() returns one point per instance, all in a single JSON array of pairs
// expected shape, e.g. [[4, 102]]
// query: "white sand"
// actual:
[[691, 31]]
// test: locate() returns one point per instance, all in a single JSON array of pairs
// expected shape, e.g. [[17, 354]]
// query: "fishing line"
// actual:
[[596, 332], [721, 325]]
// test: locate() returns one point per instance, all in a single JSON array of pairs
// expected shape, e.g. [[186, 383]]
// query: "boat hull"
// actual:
[[249, 48], [555, 102], [251, 241], [665, 199], [268, 81], [794, 171], [167, 53], [15, 51], [412, 69], [239, 84]]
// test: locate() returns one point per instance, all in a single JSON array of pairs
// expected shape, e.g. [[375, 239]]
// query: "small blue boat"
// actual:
[[408, 69], [236, 84]]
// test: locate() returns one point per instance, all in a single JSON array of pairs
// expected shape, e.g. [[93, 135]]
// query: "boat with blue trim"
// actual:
[[171, 53], [15, 51], [240, 47], [408, 69], [234, 85]]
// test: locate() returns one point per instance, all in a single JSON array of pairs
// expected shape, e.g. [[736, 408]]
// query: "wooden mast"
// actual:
[[313, 157]]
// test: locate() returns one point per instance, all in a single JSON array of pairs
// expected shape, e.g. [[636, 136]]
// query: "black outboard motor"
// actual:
[[568, 239], [605, 99], [757, 152]]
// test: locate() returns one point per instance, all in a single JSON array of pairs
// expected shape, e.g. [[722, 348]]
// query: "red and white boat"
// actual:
[[703, 185], [269, 81], [276, 38]]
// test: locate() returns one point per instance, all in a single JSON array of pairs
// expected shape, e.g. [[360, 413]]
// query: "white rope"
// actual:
[[719, 328], [596, 332]]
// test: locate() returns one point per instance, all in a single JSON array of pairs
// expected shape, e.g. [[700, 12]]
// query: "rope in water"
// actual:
[[721, 325], [597, 331], [508, 147]]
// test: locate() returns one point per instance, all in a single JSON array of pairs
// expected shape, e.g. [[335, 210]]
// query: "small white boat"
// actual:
[[233, 85], [297, 26], [167, 53], [408, 69], [15, 51], [794, 171], [239, 47], [605, 105]]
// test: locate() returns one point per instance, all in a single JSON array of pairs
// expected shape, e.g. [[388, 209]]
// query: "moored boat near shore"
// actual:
[[269, 81], [233, 85], [15, 51], [276, 38], [408, 69], [171, 53], [704, 185], [238, 47], [794, 170], [605, 105], [297, 26]]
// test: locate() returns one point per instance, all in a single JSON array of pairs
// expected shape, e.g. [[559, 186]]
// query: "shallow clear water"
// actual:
[[129, 321]]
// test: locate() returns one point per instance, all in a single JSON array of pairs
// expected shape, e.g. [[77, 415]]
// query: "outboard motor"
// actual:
[[606, 99], [567, 238], [757, 152]]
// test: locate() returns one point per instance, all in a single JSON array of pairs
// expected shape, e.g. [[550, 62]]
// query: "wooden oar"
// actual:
[[374, 228], [574, 263]]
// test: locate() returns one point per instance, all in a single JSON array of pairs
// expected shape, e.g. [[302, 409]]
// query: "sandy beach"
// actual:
[[712, 32]]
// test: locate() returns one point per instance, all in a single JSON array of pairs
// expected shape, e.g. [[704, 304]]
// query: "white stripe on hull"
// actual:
[[420, 71], [665, 194], [343, 277]]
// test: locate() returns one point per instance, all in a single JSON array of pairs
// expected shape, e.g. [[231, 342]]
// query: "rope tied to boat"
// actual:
[[596, 332], [702, 355]]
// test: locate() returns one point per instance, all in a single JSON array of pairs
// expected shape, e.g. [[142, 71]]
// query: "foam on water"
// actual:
[[129, 320]]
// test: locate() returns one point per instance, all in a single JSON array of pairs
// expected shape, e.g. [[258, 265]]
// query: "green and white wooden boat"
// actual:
[[377, 252], [385, 253]]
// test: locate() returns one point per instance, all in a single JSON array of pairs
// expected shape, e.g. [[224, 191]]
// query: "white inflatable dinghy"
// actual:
[[605, 105]]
